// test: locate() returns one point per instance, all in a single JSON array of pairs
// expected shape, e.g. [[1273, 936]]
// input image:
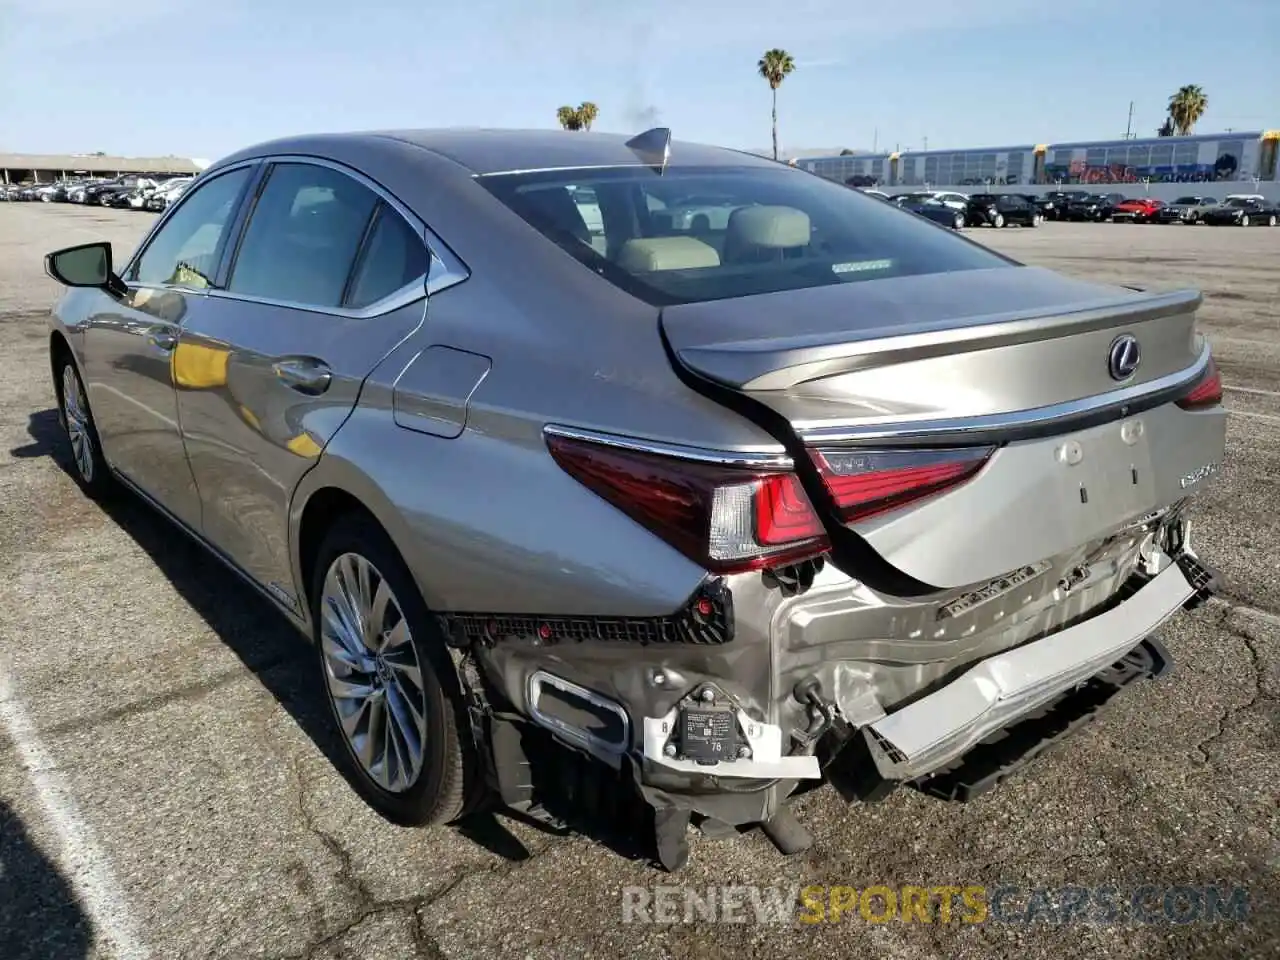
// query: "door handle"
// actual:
[[164, 340], [305, 376]]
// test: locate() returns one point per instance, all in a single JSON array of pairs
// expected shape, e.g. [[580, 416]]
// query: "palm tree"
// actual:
[[569, 118], [1186, 107], [1166, 128], [580, 117], [774, 66]]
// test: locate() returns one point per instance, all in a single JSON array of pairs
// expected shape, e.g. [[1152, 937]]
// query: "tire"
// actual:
[[958, 222], [998, 221], [1271, 220], [1244, 220], [88, 466], [438, 787], [1035, 221]]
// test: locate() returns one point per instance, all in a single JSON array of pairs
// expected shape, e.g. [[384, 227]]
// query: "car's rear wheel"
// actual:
[[392, 690], [998, 220], [88, 465], [1271, 220], [958, 222], [1035, 220], [1244, 220]]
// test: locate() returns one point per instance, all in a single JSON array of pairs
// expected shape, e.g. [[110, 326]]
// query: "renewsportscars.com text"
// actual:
[[941, 904]]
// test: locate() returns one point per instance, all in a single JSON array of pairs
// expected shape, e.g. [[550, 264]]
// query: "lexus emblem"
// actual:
[[1124, 357]]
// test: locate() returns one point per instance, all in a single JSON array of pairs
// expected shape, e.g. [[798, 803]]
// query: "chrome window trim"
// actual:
[[406, 295], [762, 458], [446, 269]]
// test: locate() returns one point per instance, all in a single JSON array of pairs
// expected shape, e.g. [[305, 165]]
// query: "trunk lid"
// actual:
[[1015, 358]]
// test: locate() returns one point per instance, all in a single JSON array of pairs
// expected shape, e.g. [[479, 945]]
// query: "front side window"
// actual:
[[185, 250], [693, 234], [303, 235]]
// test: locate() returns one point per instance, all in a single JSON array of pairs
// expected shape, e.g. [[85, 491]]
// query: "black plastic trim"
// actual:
[[707, 619]]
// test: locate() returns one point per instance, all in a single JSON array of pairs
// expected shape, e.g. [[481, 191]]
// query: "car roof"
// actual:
[[486, 151]]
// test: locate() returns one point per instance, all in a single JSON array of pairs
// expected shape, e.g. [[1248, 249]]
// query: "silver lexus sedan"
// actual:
[[624, 468]]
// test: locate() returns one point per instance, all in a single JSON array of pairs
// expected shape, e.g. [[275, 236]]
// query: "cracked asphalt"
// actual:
[[167, 714]]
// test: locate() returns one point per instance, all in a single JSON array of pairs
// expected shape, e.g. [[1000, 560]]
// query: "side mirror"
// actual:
[[88, 265]]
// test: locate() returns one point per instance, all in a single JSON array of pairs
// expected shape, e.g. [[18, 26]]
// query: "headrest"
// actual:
[[776, 227], [647, 255]]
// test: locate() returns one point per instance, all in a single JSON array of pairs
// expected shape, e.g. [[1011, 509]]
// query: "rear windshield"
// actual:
[[699, 233]]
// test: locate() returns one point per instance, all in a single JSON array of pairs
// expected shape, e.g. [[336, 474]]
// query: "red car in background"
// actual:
[[1141, 210]]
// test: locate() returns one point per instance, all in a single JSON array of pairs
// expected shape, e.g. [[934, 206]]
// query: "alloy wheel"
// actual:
[[373, 674], [75, 413]]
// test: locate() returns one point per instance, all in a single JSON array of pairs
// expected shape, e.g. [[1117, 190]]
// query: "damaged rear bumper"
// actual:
[[686, 725], [940, 728]]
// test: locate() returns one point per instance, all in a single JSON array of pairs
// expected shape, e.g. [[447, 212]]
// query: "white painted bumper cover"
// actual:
[[937, 729]]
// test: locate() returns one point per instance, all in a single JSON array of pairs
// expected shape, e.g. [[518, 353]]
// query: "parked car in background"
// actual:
[[167, 193], [1244, 210], [1000, 210], [1044, 204], [48, 193], [90, 193], [935, 210], [1095, 207], [1188, 209], [80, 193], [115, 194], [1137, 210], [874, 193], [957, 201], [136, 198], [1062, 200], [681, 525]]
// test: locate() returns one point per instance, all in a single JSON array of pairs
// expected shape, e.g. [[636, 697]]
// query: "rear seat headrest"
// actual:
[[766, 226], [649, 254]]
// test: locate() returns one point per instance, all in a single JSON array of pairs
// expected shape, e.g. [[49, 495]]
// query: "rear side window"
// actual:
[[696, 234], [394, 257], [301, 241]]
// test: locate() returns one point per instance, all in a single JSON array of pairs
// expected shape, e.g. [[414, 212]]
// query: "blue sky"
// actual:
[[144, 77]]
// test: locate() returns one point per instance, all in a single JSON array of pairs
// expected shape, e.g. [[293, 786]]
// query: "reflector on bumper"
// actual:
[[937, 729]]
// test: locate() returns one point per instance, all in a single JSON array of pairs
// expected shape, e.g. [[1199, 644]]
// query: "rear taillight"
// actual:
[[726, 518], [1207, 393], [864, 483]]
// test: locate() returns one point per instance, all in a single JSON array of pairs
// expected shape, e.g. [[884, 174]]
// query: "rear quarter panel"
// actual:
[[487, 520]]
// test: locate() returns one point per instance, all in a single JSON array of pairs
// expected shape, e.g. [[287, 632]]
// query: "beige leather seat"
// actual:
[[650, 254], [765, 233]]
